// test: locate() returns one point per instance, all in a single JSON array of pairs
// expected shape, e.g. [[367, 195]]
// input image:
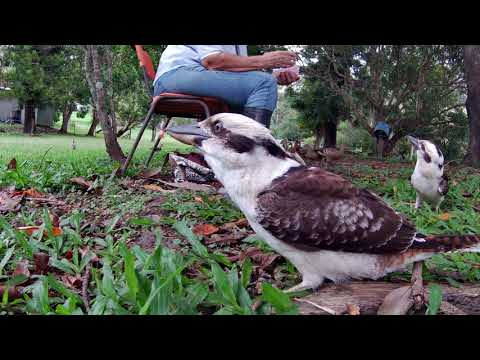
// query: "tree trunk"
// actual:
[[95, 57], [29, 121], [319, 134], [330, 134], [472, 74], [93, 126], [66, 115]]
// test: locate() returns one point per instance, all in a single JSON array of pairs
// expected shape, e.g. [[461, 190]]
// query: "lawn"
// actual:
[[131, 246]]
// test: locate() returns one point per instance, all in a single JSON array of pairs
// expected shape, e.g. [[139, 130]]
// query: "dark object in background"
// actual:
[[382, 133]]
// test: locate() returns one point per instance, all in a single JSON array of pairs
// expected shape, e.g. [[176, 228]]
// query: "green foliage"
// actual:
[[434, 299], [316, 103]]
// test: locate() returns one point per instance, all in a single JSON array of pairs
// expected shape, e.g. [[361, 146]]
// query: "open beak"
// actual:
[[414, 141], [188, 134]]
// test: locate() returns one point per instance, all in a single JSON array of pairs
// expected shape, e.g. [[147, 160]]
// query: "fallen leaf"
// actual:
[[397, 302], [226, 239], [82, 182], [198, 199], [153, 187], [231, 225], [56, 231], [14, 292], [9, 201], [146, 240], [444, 216], [150, 173], [84, 252], [33, 193], [41, 262], [54, 219], [22, 269], [467, 194], [69, 255], [71, 281], [12, 165], [353, 309], [259, 257], [205, 229]]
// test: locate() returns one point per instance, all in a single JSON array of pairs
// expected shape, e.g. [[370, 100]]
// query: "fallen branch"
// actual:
[[369, 295], [188, 186], [49, 201], [323, 308]]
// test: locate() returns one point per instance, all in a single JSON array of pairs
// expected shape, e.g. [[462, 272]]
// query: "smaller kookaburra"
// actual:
[[428, 178], [323, 224]]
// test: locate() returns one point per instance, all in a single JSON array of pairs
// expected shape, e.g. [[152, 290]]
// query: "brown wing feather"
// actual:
[[312, 209]]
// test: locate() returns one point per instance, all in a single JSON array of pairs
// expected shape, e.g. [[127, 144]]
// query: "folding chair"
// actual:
[[171, 105]]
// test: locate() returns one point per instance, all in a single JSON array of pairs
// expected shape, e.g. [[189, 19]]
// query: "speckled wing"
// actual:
[[443, 187], [312, 209]]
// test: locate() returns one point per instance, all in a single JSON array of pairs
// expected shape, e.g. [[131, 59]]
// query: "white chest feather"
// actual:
[[426, 182]]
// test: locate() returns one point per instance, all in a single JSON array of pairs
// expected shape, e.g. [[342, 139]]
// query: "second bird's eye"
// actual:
[[217, 127]]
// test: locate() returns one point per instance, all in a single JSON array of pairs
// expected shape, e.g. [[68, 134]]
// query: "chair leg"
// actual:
[[159, 137], [137, 140]]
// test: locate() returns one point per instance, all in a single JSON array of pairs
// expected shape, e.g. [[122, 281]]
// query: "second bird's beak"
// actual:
[[188, 134], [414, 141]]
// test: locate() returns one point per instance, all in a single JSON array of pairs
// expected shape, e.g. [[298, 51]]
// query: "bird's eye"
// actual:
[[218, 127], [440, 166], [423, 147]]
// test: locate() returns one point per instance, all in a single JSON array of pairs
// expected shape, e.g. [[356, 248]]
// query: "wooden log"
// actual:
[[368, 296]]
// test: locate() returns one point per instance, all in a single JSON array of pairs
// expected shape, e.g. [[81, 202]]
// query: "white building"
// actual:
[[10, 109]]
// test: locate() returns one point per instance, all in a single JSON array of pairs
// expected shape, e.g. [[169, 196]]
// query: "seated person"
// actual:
[[228, 73]]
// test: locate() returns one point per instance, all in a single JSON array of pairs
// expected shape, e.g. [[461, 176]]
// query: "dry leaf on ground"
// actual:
[[444, 216], [205, 229], [12, 165]]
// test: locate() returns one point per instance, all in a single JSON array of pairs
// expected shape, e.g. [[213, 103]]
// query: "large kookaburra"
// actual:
[[325, 226], [427, 178]]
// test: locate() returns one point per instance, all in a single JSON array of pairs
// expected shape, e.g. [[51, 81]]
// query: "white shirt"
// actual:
[[176, 56]]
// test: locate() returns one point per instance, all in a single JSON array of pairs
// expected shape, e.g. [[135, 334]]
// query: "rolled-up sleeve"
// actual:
[[205, 50]]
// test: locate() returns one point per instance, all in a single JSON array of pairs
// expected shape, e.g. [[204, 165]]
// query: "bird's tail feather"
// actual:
[[446, 243]]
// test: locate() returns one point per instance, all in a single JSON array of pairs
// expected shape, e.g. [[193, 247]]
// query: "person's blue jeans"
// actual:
[[254, 89]]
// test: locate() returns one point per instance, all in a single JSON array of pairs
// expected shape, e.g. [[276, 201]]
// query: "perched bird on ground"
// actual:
[[74, 145], [428, 178], [323, 224]]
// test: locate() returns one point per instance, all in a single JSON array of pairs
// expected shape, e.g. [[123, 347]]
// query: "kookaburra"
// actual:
[[428, 178], [325, 226]]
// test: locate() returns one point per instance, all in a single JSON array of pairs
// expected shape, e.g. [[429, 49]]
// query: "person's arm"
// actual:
[[225, 61]]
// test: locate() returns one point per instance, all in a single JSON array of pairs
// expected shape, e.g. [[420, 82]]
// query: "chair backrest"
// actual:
[[146, 64]]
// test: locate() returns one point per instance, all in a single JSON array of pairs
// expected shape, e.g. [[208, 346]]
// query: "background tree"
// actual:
[[410, 87], [320, 110], [28, 79], [70, 89], [472, 73], [98, 70]]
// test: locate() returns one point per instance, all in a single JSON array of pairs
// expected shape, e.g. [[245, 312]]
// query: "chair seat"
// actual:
[[188, 106]]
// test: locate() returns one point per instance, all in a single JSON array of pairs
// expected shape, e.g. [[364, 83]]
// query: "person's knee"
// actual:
[[269, 83]]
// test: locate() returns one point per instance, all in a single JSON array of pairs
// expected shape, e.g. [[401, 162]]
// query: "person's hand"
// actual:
[[286, 77], [278, 59]]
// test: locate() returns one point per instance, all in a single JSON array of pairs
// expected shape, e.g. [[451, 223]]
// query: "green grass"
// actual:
[[48, 161]]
